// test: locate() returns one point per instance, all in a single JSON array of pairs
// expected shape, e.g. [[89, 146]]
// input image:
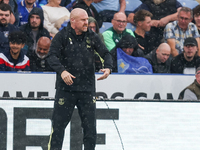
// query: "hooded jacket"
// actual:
[[28, 30], [127, 41]]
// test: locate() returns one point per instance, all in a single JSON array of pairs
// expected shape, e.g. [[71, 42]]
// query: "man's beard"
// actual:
[[3, 24], [157, 2], [34, 27], [40, 56], [29, 3]]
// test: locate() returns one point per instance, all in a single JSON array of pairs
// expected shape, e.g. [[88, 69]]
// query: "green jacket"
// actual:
[[111, 38]]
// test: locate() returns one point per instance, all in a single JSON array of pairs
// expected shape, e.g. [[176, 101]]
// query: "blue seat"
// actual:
[[130, 26], [105, 26], [189, 3], [132, 5]]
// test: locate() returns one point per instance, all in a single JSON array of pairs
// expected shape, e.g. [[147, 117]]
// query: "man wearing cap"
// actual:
[[192, 92], [188, 60]]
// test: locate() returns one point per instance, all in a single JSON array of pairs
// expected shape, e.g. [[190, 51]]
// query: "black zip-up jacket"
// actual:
[[179, 63], [37, 64], [158, 67], [75, 54]]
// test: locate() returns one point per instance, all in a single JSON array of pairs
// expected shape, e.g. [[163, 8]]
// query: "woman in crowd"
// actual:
[[54, 13]]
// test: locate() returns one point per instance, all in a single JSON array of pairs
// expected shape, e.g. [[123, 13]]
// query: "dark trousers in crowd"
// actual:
[[63, 109]]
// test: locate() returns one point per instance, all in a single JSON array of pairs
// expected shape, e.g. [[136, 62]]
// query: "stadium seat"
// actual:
[[189, 3], [132, 5], [105, 26]]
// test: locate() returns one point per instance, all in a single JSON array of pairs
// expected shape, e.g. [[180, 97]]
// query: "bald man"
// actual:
[[38, 61], [72, 57], [159, 59], [114, 34]]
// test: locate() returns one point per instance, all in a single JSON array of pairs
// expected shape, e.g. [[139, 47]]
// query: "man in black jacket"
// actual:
[[159, 59], [34, 29], [38, 58], [188, 60], [72, 57]]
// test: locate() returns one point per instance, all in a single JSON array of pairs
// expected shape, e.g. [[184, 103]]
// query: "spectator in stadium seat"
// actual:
[[107, 8], [142, 20], [188, 60], [196, 13], [176, 32], [38, 61], [5, 26], [129, 45], [192, 92], [114, 34], [159, 58], [34, 29], [164, 11], [14, 17], [54, 13], [90, 9], [14, 59], [24, 8]]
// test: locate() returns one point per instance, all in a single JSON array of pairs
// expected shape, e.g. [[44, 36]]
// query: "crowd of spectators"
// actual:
[[166, 33]]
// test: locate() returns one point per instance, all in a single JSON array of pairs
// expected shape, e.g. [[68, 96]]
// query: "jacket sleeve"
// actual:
[[56, 47], [103, 51]]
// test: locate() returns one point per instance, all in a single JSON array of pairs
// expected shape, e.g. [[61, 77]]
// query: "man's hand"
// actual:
[[141, 46], [106, 73], [67, 77], [130, 18], [155, 23]]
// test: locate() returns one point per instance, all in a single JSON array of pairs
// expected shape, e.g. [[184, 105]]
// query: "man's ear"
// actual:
[[156, 51], [139, 23], [112, 21]]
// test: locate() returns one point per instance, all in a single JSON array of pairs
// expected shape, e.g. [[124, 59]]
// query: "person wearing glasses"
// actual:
[[176, 32], [114, 34]]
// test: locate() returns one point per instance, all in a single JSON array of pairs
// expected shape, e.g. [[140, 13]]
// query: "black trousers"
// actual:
[[63, 109]]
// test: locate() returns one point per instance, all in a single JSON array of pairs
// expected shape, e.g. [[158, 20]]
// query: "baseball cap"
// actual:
[[198, 70], [190, 41]]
